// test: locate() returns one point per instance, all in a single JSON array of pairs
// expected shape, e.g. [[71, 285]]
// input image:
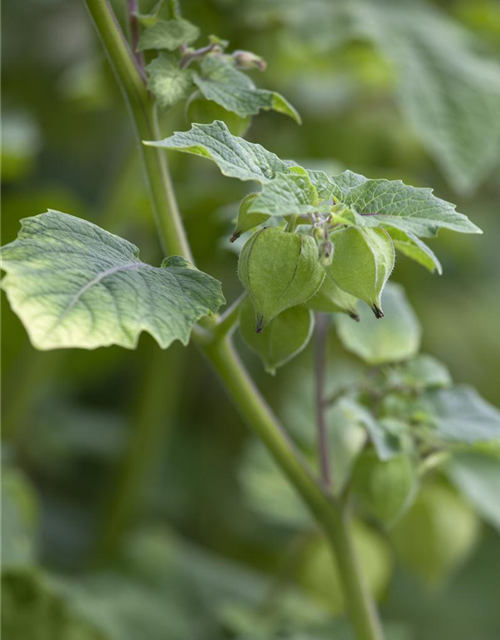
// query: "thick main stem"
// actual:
[[333, 517], [219, 351]]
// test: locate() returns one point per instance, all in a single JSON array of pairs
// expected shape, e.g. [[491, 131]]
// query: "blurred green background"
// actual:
[[124, 469]]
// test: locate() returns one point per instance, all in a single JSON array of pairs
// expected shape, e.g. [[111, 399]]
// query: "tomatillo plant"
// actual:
[[318, 245]]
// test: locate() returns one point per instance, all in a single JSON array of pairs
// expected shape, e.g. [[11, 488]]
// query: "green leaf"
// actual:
[[385, 489], [282, 339], [477, 476], [447, 85], [75, 285], [383, 440], [392, 203], [279, 270], [422, 372], [363, 260], [19, 520], [247, 220], [235, 157], [320, 180], [287, 194], [396, 337], [161, 10], [332, 299], [461, 415], [32, 608], [167, 81], [448, 88], [221, 82], [412, 247], [204, 112], [437, 534], [168, 34]]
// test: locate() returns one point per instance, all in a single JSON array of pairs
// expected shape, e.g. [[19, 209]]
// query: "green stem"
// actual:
[[333, 517], [219, 350], [143, 112]]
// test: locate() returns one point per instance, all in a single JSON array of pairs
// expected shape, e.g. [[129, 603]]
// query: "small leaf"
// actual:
[[167, 82], [168, 34], [332, 299], [411, 246], [75, 285], [437, 534], [247, 220], [477, 476], [461, 415], [385, 489], [221, 82], [161, 10], [422, 372], [396, 337], [282, 339], [363, 260], [392, 203], [234, 156], [385, 443], [287, 194], [279, 270], [204, 112]]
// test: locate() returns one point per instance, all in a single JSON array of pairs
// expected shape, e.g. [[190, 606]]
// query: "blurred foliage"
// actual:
[[134, 504]]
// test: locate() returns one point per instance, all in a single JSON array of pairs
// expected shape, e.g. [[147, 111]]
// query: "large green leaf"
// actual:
[[288, 193], [394, 204], [234, 156], [394, 338], [447, 86], [167, 81], [221, 82], [75, 285], [477, 476], [461, 415], [448, 89]]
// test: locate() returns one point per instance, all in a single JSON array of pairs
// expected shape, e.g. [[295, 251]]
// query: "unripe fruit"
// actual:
[[437, 534], [282, 339], [385, 489], [332, 299], [279, 270], [363, 260], [318, 572]]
